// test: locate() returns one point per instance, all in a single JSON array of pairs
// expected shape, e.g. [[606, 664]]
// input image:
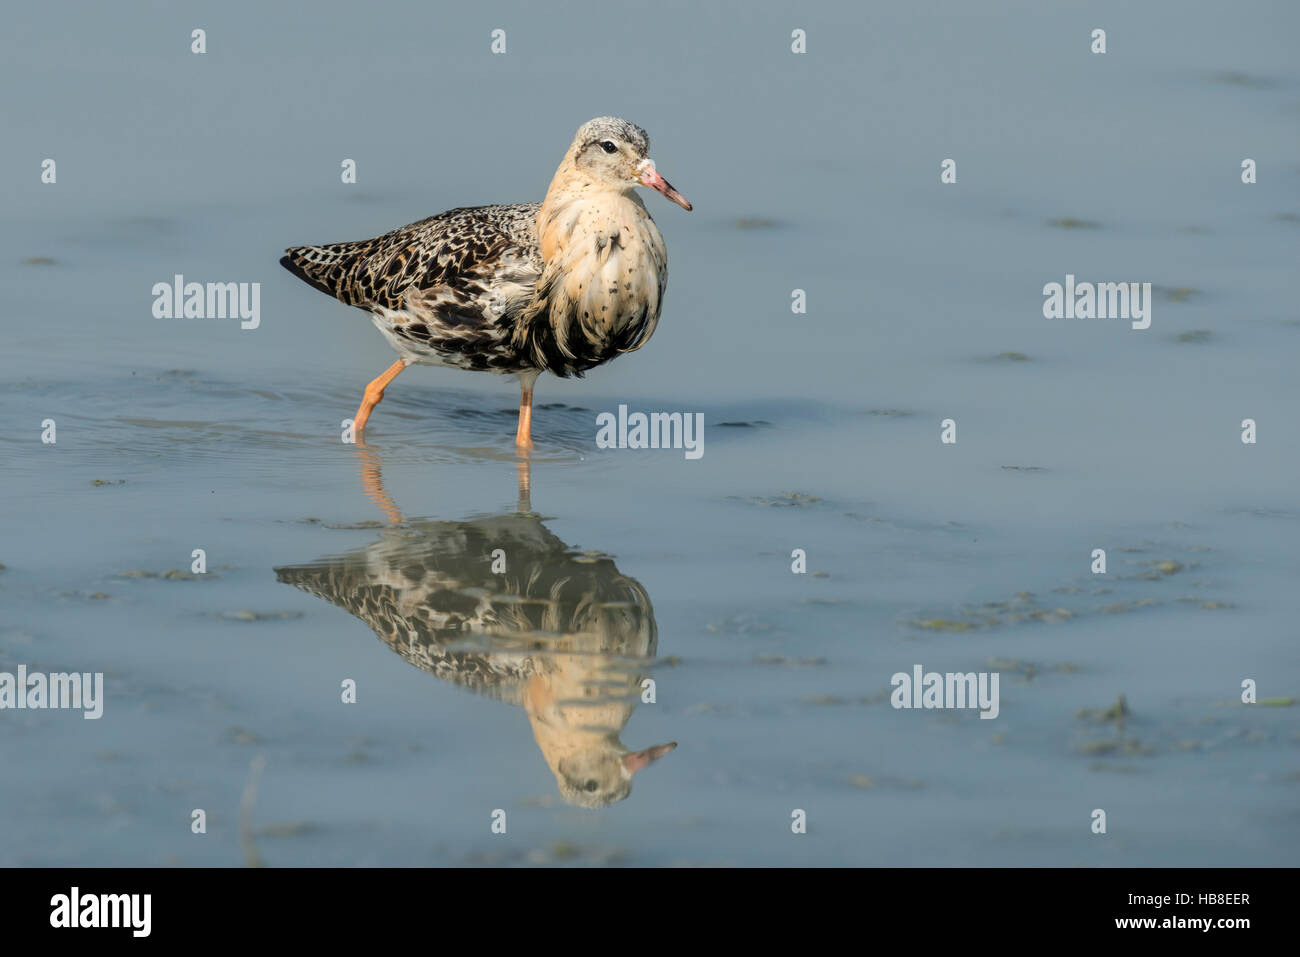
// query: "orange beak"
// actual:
[[650, 177], [637, 760]]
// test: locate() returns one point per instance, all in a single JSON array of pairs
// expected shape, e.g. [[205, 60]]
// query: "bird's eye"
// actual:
[[590, 786], [609, 147]]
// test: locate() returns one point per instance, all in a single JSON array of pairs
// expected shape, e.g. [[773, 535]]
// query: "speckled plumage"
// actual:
[[561, 634], [560, 286], [428, 591], [447, 290]]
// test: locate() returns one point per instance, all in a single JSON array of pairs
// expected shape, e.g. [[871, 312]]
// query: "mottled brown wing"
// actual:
[[452, 284], [416, 620], [468, 317], [460, 250]]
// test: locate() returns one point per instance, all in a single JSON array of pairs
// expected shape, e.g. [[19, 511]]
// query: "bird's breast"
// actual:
[[609, 269]]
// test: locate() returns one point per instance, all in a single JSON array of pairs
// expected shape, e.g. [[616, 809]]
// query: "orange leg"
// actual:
[[372, 483], [374, 392], [524, 434], [524, 467]]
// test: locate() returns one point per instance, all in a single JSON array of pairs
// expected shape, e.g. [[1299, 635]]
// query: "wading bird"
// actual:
[[561, 286], [501, 606]]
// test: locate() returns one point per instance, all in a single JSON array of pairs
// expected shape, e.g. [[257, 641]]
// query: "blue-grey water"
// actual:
[[817, 171]]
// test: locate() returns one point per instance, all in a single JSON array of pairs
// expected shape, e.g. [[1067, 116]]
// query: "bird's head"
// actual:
[[615, 153], [601, 775]]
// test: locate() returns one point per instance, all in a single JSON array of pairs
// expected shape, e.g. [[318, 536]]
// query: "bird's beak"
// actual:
[[650, 177], [635, 761]]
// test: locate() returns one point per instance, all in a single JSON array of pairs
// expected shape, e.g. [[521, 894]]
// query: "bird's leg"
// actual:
[[524, 468], [374, 392], [524, 434], [372, 483]]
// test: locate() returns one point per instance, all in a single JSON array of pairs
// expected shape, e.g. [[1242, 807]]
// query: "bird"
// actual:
[[560, 286], [502, 607]]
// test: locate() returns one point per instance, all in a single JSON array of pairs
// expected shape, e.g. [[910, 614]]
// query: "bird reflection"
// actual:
[[501, 606]]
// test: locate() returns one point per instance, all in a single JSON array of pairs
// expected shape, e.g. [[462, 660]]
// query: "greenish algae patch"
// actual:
[[1161, 568], [1130, 746], [1070, 222], [941, 624], [1116, 714]]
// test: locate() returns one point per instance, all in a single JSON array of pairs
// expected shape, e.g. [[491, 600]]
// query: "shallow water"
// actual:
[[817, 172]]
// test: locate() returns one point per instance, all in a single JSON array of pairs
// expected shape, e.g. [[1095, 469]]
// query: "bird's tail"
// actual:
[[331, 269]]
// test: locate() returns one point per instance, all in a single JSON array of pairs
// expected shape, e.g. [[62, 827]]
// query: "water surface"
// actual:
[[817, 172]]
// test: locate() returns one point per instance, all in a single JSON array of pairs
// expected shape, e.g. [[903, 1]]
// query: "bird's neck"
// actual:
[[564, 723], [600, 292], [577, 204]]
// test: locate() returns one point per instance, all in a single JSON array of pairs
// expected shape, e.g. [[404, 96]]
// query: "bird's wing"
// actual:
[[432, 593], [451, 264], [418, 620]]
